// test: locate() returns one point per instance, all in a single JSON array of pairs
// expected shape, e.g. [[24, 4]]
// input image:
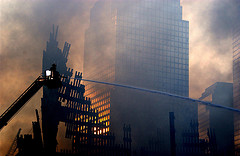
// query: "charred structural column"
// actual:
[[50, 119], [172, 134], [50, 98], [37, 134], [51, 106]]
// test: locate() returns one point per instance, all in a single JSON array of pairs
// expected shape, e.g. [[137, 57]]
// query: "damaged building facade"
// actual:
[[68, 104]]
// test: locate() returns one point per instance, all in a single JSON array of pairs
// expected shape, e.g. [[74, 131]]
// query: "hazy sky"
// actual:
[[210, 41], [25, 26]]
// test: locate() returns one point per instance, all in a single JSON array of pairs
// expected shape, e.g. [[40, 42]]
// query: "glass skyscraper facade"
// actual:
[[140, 43], [236, 84], [219, 122], [99, 58], [152, 46]]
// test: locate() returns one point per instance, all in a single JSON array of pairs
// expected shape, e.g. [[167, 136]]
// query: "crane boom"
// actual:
[[21, 100], [51, 79]]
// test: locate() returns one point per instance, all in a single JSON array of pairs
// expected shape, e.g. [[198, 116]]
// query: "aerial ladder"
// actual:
[[51, 79]]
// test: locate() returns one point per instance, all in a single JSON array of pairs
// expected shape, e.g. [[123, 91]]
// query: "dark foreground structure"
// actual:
[[67, 104], [90, 135]]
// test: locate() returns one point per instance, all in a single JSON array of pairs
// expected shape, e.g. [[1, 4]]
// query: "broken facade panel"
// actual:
[[67, 104]]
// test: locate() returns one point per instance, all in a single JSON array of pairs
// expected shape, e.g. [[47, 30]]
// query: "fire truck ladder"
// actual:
[[51, 80], [21, 100]]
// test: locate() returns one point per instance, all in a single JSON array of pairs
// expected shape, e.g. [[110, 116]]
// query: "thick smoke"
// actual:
[[211, 24], [24, 30], [25, 27], [223, 15]]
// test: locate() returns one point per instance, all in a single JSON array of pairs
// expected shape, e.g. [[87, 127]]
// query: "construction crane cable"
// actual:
[[162, 93]]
